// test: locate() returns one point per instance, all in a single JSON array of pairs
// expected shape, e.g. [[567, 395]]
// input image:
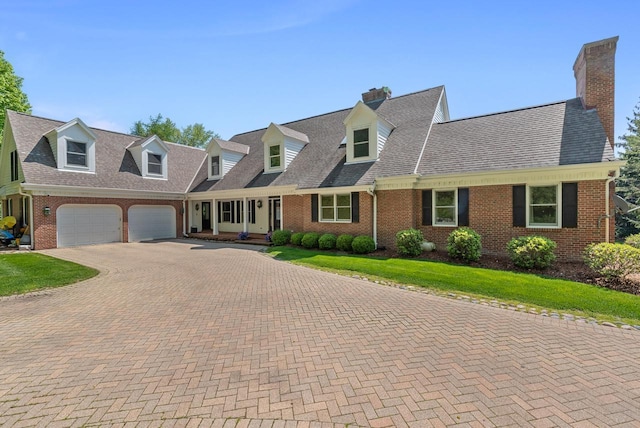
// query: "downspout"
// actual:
[[608, 214], [32, 230], [372, 192]]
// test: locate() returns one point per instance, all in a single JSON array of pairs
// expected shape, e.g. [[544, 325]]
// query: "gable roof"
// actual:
[[232, 146], [557, 134], [115, 167], [322, 161]]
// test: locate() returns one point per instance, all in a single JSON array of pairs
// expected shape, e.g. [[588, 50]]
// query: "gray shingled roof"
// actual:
[[562, 133], [232, 146], [288, 132], [115, 167], [321, 161]]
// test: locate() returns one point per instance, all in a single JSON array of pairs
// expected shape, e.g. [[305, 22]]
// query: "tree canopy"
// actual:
[[11, 95], [195, 135], [628, 185]]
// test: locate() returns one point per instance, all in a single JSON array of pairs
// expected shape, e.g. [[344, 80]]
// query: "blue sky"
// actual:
[[236, 66]]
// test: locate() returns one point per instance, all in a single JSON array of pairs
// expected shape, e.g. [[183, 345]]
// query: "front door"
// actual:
[[206, 215], [274, 214]]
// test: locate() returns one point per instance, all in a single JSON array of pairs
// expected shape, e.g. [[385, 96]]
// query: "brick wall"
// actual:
[[45, 233], [490, 214], [397, 210], [297, 217]]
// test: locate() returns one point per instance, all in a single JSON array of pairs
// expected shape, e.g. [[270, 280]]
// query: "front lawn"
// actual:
[[512, 287], [21, 273]]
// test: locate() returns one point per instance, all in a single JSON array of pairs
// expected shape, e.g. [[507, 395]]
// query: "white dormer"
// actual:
[[150, 154], [442, 109], [366, 134], [281, 146], [224, 155], [74, 146]]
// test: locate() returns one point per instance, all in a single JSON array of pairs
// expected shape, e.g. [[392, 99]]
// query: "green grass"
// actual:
[[510, 287], [21, 273]]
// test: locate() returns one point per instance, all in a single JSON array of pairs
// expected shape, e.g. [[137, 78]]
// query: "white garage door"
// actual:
[[148, 222], [88, 224]]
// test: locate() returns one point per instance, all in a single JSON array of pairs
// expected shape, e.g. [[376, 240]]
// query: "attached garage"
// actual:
[[147, 222], [88, 224]]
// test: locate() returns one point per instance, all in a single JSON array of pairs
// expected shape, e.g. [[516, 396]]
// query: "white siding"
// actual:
[[291, 150], [438, 117], [229, 160], [383, 134]]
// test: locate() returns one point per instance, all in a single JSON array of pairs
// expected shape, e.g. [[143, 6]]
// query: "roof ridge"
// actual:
[[508, 111]]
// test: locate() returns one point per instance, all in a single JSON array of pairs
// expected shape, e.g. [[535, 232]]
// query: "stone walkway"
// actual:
[[194, 334]]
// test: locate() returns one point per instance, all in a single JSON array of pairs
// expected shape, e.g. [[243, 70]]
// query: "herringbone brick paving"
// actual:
[[195, 334]]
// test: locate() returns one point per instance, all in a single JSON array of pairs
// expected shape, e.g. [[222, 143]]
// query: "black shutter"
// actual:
[[253, 211], [314, 207], [426, 208], [219, 212], [233, 212], [570, 205], [355, 207], [519, 206], [463, 207], [239, 218]]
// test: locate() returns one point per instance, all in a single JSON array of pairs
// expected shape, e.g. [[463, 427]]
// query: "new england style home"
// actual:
[[382, 165]]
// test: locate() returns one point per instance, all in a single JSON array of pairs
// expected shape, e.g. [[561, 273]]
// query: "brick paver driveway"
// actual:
[[187, 333]]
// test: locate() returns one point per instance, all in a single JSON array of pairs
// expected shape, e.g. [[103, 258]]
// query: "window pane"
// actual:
[[344, 213], [215, 165], [543, 195], [76, 159], [361, 135], [327, 213], [326, 201], [445, 215], [155, 158], [361, 150], [275, 162], [75, 147], [445, 199], [543, 215], [274, 150], [344, 200]]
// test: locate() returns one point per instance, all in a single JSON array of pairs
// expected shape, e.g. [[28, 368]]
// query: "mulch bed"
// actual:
[[572, 271]]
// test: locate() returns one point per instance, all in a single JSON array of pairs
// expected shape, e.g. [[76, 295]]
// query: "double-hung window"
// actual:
[[274, 156], [444, 207], [335, 208], [154, 164], [226, 212], [76, 153], [215, 165], [543, 206], [361, 143], [14, 165]]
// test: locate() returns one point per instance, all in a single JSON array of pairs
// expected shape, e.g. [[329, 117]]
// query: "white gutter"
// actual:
[[372, 192], [31, 230], [607, 230], [184, 218]]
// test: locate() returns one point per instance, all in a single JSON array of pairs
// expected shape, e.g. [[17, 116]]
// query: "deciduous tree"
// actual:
[[195, 135], [11, 95]]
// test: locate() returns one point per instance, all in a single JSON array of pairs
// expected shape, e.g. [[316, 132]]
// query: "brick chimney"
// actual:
[[594, 70], [375, 94]]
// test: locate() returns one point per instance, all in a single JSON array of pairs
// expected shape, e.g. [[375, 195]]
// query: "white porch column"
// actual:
[[281, 213], [245, 215], [214, 216]]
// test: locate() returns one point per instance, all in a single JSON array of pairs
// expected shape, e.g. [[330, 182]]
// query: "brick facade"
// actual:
[[45, 233], [490, 214], [397, 210]]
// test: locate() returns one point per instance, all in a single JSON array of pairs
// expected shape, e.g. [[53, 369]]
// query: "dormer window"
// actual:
[[361, 143], [154, 164], [274, 156], [76, 153], [215, 165]]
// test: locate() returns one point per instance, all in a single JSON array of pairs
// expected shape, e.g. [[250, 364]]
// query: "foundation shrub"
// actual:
[[310, 240], [363, 244], [343, 243], [296, 238], [409, 242], [327, 241], [612, 260], [530, 252], [464, 244], [281, 237]]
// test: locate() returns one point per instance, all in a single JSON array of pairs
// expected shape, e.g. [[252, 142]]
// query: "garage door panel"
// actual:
[[147, 222], [88, 224]]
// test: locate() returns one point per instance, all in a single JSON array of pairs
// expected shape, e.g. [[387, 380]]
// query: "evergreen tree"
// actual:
[[628, 185]]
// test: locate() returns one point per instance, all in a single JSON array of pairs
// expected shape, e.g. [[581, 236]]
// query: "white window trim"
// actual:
[[73, 167], [455, 208], [280, 167], [222, 211], [368, 156], [219, 174], [558, 224], [335, 209]]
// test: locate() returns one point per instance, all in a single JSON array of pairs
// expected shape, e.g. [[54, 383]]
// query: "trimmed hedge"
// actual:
[[633, 240], [363, 244], [310, 240], [296, 238], [409, 242], [327, 241], [343, 243], [532, 252], [465, 244], [281, 237]]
